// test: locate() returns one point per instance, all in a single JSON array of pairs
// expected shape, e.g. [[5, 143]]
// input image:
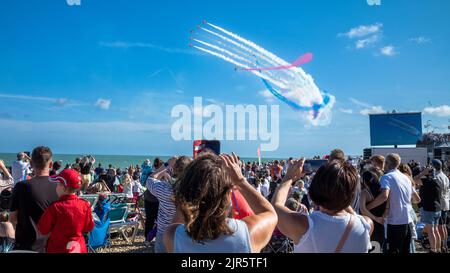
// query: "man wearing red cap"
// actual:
[[68, 218]]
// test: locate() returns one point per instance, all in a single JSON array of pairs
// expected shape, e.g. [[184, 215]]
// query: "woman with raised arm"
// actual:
[[203, 200], [334, 227]]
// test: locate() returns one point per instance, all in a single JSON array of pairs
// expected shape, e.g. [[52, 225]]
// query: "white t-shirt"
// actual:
[[401, 191], [265, 187], [137, 187], [19, 170], [128, 190], [445, 191], [325, 232]]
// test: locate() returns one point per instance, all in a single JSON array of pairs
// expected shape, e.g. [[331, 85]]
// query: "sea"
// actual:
[[117, 161]]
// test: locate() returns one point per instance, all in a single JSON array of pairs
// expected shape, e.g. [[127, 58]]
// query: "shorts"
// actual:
[[444, 218], [430, 217]]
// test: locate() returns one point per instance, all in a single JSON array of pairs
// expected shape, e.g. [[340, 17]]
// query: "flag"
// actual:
[[259, 155]]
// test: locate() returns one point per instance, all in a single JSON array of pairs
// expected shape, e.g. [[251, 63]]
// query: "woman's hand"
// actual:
[[295, 170], [171, 161], [232, 166]]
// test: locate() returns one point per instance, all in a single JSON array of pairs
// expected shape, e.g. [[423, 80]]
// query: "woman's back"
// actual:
[[325, 232], [238, 242]]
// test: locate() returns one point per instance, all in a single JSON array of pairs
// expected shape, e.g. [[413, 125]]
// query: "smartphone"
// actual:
[[202, 146], [307, 168]]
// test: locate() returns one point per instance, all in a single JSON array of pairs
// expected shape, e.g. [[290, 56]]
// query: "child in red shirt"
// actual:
[[68, 218]]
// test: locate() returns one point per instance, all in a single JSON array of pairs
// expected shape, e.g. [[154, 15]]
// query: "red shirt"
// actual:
[[66, 220], [241, 208]]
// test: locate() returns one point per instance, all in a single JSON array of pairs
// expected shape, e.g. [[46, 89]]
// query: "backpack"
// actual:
[[5, 199]]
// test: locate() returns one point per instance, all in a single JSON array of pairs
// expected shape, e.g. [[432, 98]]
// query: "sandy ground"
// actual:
[[119, 245]]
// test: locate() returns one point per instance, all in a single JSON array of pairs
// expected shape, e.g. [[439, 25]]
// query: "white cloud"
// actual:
[[268, 97], [362, 31], [346, 111], [69, 127], [367, 108], [73, 2], [367, 42], [103, 104], [360, 103], [420, 40], [388, 51], [372, 110], [440, 111], [126, 45]]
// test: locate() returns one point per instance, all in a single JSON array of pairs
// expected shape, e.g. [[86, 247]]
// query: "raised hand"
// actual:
[[172, 161], [295, 170], [231, 163]]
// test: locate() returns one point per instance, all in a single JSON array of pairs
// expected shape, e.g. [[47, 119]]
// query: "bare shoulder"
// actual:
[[168, 236]]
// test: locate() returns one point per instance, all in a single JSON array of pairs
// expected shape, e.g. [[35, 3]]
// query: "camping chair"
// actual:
[[98, 238], [118, 222], [91, 198], [116, 198]]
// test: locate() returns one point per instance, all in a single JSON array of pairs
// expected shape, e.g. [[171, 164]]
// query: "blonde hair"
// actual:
[[126, 179], [393, 161], [378, 160]]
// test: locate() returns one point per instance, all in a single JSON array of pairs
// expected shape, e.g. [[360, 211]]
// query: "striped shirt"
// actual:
[[166, 212]]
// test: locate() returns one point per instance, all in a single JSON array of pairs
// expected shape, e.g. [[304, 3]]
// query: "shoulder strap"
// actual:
[[345, 235]]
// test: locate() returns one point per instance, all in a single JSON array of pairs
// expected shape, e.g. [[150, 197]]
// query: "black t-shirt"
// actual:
[[99, 170], [85, 168], [31, 198], [430, 195]]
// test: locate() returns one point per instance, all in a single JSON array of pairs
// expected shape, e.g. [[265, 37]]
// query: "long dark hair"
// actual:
[[203, 196]]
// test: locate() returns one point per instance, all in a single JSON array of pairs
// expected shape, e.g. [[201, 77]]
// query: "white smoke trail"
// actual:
[[253, 53], [228, 59], [294, 84], [237, 48], [231, 54], [251, 44]]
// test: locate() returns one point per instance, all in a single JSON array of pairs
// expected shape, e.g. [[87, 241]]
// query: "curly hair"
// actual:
[[202, 193]]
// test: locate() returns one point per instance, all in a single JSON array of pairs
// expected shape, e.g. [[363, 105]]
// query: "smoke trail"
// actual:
[[251, 44], [236, 47], [224, 51], [275, 59], [228, 59], [253, 53], [295, 87]]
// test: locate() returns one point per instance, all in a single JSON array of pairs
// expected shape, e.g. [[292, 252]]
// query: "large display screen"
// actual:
[[395, 129]]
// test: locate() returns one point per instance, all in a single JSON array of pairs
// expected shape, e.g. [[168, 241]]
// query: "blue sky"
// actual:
[[103, 77]]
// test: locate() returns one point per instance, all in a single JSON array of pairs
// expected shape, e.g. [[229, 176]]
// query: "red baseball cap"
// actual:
[[69, 178]]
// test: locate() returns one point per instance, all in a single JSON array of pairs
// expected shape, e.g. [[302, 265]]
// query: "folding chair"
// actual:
[[98, 238], [91, 198], [118, 222]]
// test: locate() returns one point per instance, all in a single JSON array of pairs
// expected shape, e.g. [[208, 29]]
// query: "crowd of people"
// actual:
[[218, 203]]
